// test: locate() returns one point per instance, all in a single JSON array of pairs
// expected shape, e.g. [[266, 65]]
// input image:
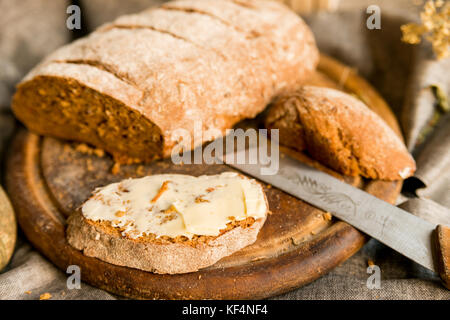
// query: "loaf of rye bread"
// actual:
[[128, 86], [340, 131]]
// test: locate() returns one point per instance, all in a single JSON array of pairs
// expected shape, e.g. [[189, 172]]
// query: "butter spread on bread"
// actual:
[[169, 223], [177, 205]]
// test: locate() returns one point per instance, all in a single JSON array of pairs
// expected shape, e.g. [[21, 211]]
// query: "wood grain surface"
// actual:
[[47, 179]]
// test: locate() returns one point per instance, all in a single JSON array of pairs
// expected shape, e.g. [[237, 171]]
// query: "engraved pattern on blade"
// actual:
[[335, 199], [396, 228]]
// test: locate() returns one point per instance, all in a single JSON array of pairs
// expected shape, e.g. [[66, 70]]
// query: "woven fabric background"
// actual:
[[402, 73]]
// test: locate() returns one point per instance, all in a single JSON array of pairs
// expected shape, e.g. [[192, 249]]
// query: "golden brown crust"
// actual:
[[196, 240], [157, 255], [341, 132], [217, 62]]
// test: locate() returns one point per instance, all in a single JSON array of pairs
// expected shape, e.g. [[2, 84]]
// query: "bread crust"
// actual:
[[215, 62], [340, 131], [164, 255], [94, 240]]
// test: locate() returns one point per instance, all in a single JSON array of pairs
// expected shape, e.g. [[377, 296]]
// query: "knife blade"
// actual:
[[396, 228]]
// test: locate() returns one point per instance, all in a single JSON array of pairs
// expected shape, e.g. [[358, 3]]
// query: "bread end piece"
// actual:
[[340, 131]]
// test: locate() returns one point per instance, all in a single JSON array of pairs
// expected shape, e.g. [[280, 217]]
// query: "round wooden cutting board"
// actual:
[[47, 179]]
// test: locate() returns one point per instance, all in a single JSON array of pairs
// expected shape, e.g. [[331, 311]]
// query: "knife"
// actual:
[[424, 242]]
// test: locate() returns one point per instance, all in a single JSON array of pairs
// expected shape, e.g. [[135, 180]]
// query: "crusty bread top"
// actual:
[[341, 132], [190, 61]]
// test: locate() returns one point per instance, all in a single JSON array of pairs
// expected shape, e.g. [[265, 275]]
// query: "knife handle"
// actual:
[[443, 253]]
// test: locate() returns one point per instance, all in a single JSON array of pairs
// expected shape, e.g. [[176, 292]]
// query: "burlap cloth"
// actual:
[[402, 73]]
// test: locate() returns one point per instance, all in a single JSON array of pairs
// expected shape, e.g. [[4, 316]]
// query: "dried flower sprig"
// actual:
[[435, 27]]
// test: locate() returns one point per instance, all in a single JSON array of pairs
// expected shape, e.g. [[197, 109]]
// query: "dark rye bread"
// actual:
[[341, 132], [163, 255], [131, 84]]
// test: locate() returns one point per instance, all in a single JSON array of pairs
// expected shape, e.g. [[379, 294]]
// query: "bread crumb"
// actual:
[[199, 199], [99, 153], [370, 262], [45, 296], [28, 292], [85, 149], [115, 168], [170, 210], [119, 214], [89, 165], [327, 216], [121, 188], [269, 186], [295, 242], [140, 171]]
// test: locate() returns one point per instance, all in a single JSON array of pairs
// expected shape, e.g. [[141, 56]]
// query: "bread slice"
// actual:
[[130, 86], [163, 254], [340, 131]]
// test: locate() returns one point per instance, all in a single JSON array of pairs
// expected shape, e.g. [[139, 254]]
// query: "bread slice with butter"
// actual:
[[169, 223]]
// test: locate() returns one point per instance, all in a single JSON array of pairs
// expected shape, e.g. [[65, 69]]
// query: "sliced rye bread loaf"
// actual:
[[149, 235], [129, 86], [341, 132]]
